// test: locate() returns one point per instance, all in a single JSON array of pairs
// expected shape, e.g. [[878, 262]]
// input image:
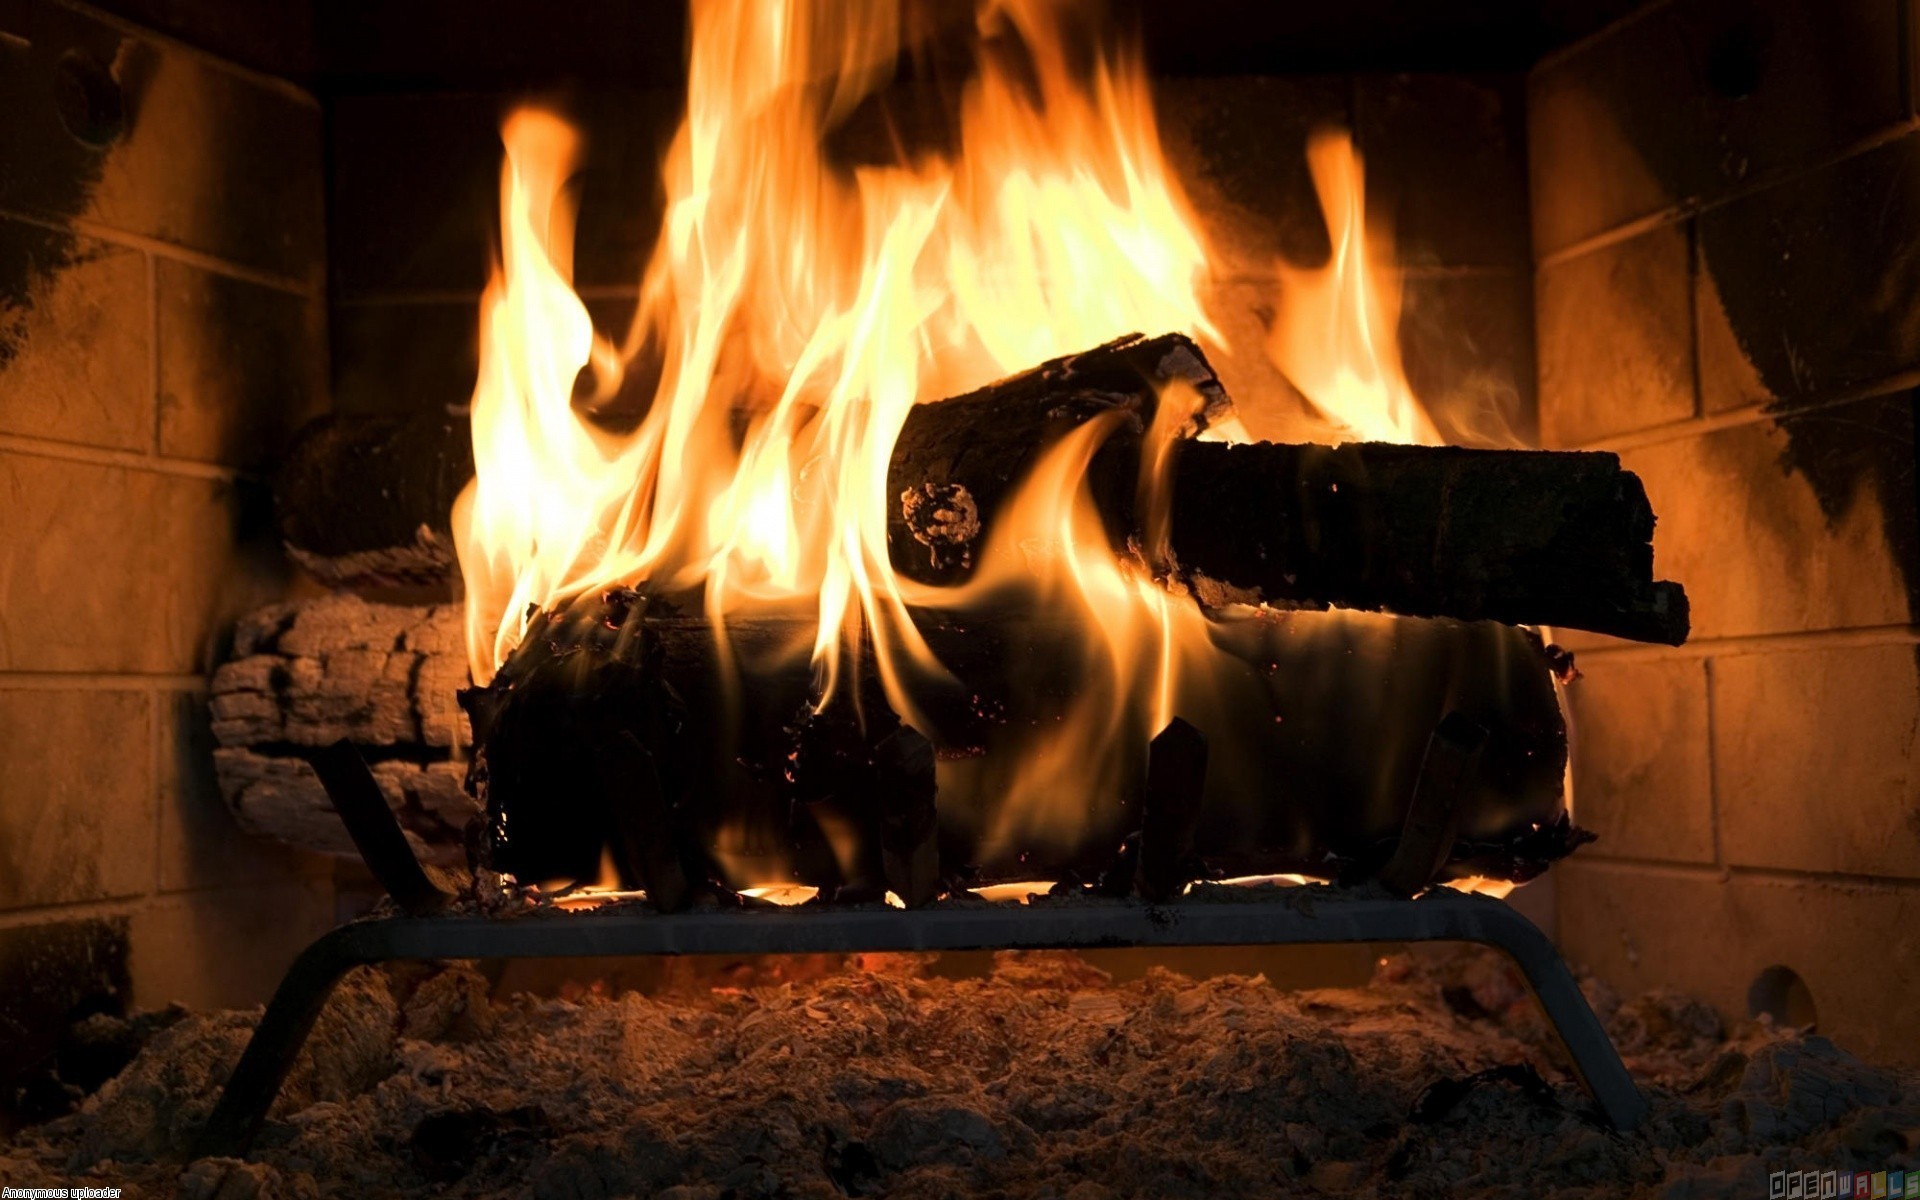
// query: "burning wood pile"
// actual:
[[610, 733], [748, 606]]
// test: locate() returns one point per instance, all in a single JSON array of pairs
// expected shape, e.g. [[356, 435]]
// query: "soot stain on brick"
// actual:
[[31, 259], [1865, 446], [55, 170]]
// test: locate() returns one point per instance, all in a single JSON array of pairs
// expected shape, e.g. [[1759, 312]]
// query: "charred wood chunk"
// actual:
[[909, 823], [1433, 817], [556, 801], [956, 462], [643, 836], [1176, 784], [356, 796], [1338, 707], [1518, 536], [1531, 537]]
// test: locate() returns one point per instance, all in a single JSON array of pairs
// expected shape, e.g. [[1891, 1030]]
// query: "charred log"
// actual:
[[365, 501], [1311, 716], [1170, 811], [1524, 537]]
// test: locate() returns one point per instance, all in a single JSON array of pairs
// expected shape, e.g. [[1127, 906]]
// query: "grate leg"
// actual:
[[1291, 916]]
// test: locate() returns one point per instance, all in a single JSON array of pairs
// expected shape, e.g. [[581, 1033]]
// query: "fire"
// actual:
[[1337, 333], [812, 305]]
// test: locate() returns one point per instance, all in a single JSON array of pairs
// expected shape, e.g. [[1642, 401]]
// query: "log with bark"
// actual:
[[381, 676], [1561, 539], [1530, 537], [1316, 725]]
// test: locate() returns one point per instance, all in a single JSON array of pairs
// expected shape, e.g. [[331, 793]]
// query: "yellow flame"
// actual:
[[1337, 333], [812, 305]]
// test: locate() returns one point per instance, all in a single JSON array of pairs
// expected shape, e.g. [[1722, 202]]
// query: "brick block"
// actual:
[[1446, 166], [1641, 775], [414, 191], [194, 130], [1646, 927], [242, 366], [1238, 148], [1812, 287], [200, 845], [225, 948], [1813, 756], [76, 800], [1695, 98], [111, 569], [1616, 339], [49, 973], [74, 361], [1800, 522]]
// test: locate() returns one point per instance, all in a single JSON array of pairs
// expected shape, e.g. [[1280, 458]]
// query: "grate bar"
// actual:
[[1211, 916]]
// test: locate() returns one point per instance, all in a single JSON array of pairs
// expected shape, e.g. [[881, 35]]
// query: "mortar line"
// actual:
[[1859, 636], [1695, 206], [99, 231], [1575, 48], [1734, 418], [1713, 772], [130, 459], [153, 350], [104, 681], [1709, 872], [78, 910], [253, 75]]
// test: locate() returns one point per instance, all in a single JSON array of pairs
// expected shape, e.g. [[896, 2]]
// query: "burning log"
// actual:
[[906, 780], [1519, 536], [1316, 717], [1316, 724]]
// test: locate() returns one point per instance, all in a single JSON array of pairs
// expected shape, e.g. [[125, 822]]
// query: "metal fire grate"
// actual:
[[1209, 915]]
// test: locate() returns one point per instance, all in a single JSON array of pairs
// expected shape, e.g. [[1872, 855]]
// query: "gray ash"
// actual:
[[1045, 1078]]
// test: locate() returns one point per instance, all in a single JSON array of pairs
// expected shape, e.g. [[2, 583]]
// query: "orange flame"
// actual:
[[1337, 334], [816, 304]]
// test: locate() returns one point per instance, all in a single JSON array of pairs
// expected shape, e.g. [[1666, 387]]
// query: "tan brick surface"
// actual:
[[1616, 342], [1856, 946], [225, 948], [76, 796], [110, 569], [74, 357], [1813, 752], [242, 366], [1641, 774], [1763, 547]]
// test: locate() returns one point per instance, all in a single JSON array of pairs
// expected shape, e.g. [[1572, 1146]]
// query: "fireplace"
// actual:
[[249, 255]]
